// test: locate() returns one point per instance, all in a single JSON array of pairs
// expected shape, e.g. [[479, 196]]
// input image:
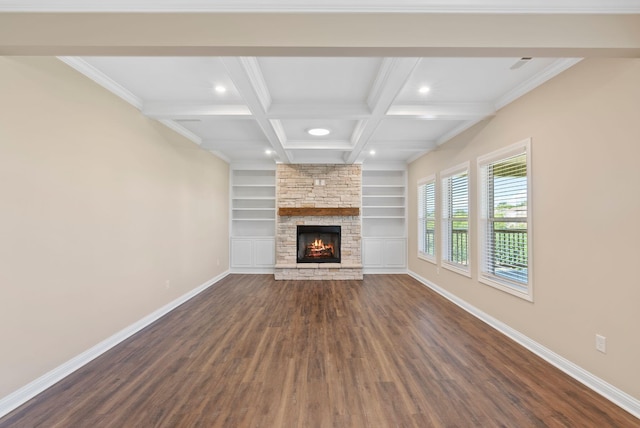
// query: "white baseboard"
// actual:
[[610, 392], [253, 271], [27, 392], [384, 271]]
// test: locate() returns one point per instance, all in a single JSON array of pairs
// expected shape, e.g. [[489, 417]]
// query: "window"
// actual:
[[427, 218], [455, 219], [505, 225]]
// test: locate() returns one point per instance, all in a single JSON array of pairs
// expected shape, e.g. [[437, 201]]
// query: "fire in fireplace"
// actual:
[[318, 244]]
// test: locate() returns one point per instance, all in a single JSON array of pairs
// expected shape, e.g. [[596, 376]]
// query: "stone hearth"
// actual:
[[318, 186]]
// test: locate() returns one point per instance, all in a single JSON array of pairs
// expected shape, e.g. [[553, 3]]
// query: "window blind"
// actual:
[[427, 218], [455, 218], [504, 219]]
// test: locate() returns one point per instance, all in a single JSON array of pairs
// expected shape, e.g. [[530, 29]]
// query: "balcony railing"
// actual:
[[509, 257], [509, 248], [459, 246]]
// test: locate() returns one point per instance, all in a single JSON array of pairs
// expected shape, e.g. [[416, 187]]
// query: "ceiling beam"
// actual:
[[319, 111], [392, 76], [402, 145], [409, 6], [314, 145], [181, 110], [304, 34], [442, 111], [248, 80]]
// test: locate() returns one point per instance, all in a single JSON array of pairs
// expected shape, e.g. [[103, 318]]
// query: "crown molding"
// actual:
[[181, 130], [328, 6], [548, 73], [102, 79], [458, 130]]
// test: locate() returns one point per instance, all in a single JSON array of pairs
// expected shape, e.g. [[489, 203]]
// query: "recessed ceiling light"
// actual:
[[318, 132], [424, 89], [220, 89], [268, 151], [372, 152]]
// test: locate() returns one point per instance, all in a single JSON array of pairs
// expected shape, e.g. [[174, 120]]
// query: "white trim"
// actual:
[[181, 130], [427, 258], [454, 170], [548, 73], [426, 180], [384, 271], [341, 6], [102, 79], [27, 392], [457, 268], [608, 391], [252, 271]]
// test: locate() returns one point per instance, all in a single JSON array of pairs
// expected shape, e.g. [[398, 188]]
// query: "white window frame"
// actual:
[[431, 179], [444, 220], [487, 278]]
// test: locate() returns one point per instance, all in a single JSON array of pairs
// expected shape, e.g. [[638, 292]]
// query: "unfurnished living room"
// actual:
[[306, 213]]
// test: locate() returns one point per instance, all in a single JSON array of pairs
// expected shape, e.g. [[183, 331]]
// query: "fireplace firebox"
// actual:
[[318, 244]]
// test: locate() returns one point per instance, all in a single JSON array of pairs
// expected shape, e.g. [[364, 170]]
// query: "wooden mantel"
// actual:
[[312, 211]]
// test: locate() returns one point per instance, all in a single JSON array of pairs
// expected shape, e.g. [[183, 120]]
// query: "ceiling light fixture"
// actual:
[[220, 89], [318, 132], [372, 152], [424, 89], [268, 151]]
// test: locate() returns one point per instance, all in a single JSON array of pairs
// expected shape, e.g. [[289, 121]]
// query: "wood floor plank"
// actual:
[[255, 352]]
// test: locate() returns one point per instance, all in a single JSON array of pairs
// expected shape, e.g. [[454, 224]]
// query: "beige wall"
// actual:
[[585, 130], [100, 208]]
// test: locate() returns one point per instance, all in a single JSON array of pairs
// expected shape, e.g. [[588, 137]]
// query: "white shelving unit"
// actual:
[[253, 219], [384, 224]]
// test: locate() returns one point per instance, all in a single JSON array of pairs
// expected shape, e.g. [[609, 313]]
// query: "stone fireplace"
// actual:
[[323, 200]]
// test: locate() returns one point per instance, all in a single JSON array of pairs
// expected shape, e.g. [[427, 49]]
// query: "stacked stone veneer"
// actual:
[[296, 188]]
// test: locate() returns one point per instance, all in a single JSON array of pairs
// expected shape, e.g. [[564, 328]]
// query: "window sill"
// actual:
[[464, 271], [426, 258], [525, 294]]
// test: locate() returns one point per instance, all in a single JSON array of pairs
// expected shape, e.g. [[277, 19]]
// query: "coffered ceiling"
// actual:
[[389, 79], [375, 109]]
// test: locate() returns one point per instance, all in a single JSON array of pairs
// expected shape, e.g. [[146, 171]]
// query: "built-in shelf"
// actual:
[[253, 219], [384, 220]]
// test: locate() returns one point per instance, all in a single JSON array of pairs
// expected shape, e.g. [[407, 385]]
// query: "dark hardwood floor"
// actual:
[[383, 352]]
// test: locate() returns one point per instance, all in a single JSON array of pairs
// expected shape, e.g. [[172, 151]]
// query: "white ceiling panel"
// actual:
[[226, 130], [170, 78], [464, 80], [319, 80], [391, 130]]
